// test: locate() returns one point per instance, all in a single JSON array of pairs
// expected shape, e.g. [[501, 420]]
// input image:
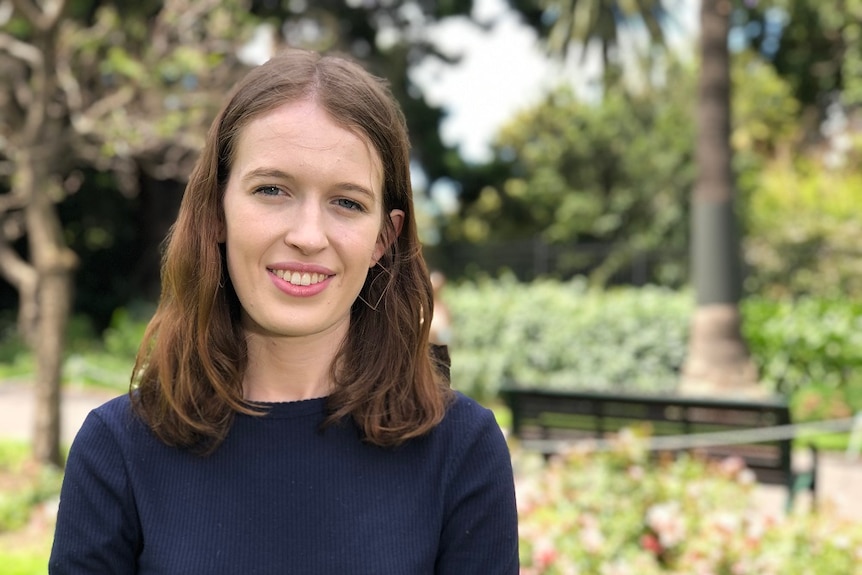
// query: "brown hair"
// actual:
[[187, 382]]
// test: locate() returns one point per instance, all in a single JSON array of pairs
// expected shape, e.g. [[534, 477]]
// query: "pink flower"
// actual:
[[668, 522], [732, 466], [650, 543], [544, 553]]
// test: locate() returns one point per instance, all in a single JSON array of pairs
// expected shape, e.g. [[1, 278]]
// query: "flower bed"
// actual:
[[622, 513]]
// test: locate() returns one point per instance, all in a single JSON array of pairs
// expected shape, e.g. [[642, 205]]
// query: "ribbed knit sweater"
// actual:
[[282, 496]]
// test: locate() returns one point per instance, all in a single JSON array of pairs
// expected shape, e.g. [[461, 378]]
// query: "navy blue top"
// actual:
[[282, 496]]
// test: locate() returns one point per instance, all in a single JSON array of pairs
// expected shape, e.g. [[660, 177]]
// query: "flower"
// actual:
[[667, 521]]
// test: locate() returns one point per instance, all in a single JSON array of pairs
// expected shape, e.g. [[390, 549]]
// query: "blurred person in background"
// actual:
[[441, 321]]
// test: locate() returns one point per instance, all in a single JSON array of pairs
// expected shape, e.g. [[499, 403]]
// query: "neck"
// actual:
[[289, 369]]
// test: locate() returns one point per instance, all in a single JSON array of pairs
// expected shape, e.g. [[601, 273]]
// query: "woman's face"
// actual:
[[303, 213]]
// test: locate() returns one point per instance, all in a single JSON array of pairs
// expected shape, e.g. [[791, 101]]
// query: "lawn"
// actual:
[[28, 503]]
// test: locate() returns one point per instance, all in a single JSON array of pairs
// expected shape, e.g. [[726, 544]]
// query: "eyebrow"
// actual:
[[275, 173]]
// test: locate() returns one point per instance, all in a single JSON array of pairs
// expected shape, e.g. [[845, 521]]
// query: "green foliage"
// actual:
[[620, 512], [571, 24], [27, 498], [617, 171], [803, 230], [15, 357], [821, 49], [621, 171], [110, 364], [809, 350], [764, 110], [564, 335], [101, 361], [124, 335], [24, 486], [24, 561]]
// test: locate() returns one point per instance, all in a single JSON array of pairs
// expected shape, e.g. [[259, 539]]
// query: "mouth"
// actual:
[[299, 278]]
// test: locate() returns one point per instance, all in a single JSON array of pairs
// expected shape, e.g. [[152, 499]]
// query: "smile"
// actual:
[[299, 279]]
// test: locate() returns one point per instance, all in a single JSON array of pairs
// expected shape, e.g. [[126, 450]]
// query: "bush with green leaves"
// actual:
[[621, 512], [809, 349], [101, 360], [25, 486], [561, 335]]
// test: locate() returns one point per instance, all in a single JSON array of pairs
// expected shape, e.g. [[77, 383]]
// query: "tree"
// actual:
[[578, 23], [815, 45], [116, 87], [35, 134], [612, 172], [718, 358]]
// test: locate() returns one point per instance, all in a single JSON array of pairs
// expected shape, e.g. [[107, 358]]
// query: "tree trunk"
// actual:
[[718, 360], [54, 264], [55, 292]]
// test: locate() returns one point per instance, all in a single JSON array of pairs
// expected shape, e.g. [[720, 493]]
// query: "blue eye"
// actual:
[[268, 190], [349, 204]]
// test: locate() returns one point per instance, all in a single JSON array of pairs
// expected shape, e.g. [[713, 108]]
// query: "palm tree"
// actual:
[[718, 359]]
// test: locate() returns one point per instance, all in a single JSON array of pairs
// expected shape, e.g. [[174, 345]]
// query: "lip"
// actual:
[[300, 290]]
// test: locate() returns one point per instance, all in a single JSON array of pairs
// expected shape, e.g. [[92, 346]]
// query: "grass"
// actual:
[[29, 559], [836, 442], [28, 496]]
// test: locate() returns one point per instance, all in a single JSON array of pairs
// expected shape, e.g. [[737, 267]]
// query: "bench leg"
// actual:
[[805, 481]]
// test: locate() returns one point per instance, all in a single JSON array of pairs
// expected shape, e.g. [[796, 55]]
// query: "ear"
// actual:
[[388, 236]]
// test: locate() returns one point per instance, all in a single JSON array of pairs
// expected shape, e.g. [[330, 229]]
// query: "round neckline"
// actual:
[[287, 409]]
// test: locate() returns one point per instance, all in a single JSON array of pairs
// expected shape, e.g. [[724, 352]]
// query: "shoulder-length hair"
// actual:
[[187, 381]]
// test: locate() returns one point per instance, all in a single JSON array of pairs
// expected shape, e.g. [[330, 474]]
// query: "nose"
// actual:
[[306, 230]]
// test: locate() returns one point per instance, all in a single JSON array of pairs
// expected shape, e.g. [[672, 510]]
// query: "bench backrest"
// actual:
[[542, 414]]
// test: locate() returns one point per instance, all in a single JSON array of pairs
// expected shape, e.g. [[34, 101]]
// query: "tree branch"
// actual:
[[84, 120], [20, 50], [31, 12], [43, 18], [11, 201], [13, 267]]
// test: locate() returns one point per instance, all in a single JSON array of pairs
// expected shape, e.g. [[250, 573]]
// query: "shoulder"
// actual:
[[116, 411], [466, 411], [116, 417], [468, 422]]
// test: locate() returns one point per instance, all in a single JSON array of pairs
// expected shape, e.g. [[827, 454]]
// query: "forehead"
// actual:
[[301, 131]]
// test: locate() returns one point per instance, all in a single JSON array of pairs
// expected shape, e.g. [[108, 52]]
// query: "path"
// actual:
[[16, 409]]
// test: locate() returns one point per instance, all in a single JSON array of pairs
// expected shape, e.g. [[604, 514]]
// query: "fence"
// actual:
[[529, 259]]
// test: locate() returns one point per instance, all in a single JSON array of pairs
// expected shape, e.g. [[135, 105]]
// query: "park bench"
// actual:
[[548, 421]]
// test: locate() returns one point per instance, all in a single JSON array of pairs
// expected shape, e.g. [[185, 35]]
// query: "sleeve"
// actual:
[[480, 530], [97, 529]]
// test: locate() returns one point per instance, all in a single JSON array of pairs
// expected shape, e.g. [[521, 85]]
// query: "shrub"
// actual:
[[620, 512], [110, 363], [562, 334], [554, 334], [24, 485], [802, 230], [808, 348]]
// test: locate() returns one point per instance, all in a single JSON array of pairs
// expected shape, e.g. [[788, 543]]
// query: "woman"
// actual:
[[286, 415]]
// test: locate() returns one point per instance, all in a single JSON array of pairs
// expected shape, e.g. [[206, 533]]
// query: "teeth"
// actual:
[[299, 279]]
